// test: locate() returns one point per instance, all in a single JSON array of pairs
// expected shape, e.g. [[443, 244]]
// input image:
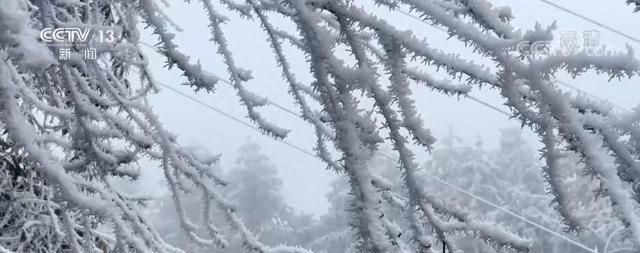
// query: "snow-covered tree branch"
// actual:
[[79, 123], [636, 3]]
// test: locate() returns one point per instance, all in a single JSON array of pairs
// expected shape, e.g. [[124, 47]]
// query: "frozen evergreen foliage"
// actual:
[[510, 177], [26, 204], [254, 187], [80, 122]]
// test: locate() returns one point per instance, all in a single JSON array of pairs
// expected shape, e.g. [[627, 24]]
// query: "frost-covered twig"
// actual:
[[82, 122]]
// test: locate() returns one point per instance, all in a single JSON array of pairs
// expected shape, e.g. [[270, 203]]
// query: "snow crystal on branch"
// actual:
[[81, 122], [20, 38]]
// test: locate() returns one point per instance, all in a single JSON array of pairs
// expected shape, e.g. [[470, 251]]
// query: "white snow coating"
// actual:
[[17, 33], [81, 122]]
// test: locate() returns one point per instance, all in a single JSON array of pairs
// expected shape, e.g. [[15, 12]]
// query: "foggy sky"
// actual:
[[305, 178]]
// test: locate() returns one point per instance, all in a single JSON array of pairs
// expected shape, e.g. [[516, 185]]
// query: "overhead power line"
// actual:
[[234, 118], [479, 101], [293, 113], [555, 80], [591, 95], [445, 183], [269, 101], [302, 150], [513, 214], [590, 20]]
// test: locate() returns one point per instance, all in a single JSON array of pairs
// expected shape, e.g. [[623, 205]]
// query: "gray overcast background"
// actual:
[[306, 179]]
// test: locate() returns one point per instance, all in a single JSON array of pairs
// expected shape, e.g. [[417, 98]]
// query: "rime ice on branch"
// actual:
[[77, 124], [81, 122], [524, 83]]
